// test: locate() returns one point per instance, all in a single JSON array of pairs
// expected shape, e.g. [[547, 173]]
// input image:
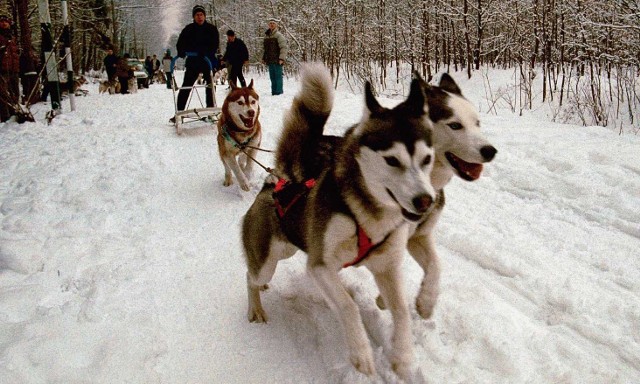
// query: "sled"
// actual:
[[191, 115]]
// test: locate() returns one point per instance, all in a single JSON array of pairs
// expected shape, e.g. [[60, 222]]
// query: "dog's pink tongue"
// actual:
[[468, 171], [471, 169]]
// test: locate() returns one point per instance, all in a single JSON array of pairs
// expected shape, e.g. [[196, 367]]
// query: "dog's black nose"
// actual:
[[488, 152], [422, 202], [251, 113]]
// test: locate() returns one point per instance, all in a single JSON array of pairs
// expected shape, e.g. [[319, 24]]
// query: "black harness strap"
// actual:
[[286, 194]]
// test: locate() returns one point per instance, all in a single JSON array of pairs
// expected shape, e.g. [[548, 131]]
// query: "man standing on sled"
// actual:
[[197, 42]]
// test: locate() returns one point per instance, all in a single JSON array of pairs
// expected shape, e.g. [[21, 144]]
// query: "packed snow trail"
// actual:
[[120, 258]]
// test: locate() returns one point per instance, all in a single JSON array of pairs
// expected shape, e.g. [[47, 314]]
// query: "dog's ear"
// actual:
[[417, 101], [426, 86], [372, 104], [250, 84], [448, 84]]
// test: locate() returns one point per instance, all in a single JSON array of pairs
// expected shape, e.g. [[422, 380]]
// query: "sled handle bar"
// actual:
[[190, 54]]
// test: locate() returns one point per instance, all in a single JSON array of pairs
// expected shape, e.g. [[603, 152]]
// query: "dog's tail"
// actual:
[[297, 150]]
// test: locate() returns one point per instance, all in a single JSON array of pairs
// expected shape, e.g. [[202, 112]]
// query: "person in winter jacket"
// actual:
[[197, 42], [124, 73], [235, 57], [110, 61], [9, 70], [275, 54], [155, 65], [148, 67], [166, 67]]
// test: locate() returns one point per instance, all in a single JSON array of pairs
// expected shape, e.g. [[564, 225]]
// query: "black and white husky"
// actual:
[[355, 206]]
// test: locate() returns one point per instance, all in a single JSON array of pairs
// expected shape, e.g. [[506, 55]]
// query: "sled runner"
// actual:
[[201, 113]]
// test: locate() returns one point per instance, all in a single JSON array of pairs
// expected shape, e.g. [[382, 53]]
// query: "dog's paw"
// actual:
[[228, 181], [257, 315], [363, 362], [245, 186], [403, 370], [425, 305]]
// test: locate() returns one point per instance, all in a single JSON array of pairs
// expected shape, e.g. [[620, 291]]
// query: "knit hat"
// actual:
[[273, 19], [196, 9], [231, 33]]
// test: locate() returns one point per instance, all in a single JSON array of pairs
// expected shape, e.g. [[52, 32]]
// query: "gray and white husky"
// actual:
[[354, 206]]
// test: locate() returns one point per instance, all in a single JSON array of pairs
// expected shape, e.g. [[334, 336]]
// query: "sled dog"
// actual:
[[355, 207], [220, 76], [79, 82], [239, 133], [159, 77], [461, 149], [133, 85], [111, 86]]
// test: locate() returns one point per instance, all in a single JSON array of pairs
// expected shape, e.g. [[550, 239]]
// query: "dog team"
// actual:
[[360, 199]]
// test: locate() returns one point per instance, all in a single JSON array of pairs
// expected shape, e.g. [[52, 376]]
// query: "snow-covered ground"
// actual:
[[120, 259]]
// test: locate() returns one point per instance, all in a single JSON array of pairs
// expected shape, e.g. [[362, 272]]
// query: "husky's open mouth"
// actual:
[[247, 121], [410, 215], [467, 171]]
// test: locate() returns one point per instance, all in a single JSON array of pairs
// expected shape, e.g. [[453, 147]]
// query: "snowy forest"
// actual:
[[584, 54]]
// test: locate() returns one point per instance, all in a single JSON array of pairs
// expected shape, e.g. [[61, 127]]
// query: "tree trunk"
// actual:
[[467, 38], [28, 61]]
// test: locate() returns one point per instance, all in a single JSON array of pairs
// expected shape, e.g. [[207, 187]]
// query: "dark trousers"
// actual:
[[190, 77], [124, 85], [275, 74], [168, 77], [235, 73]]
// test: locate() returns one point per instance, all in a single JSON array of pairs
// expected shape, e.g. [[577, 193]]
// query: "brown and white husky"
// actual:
[[239, 134]]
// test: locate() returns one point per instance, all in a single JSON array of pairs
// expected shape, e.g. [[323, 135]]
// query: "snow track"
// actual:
[[120, 259]]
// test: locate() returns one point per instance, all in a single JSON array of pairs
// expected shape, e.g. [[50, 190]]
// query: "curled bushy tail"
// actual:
[[297, 151]]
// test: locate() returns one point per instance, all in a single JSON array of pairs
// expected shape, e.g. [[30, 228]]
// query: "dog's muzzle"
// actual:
[[471, 171], [421, 204]]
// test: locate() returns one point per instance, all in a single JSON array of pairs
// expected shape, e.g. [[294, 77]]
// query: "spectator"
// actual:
[[9, 69], [198, 42], [148, 66], [166, 67], [110, 61], [235, 57], [124, 72], [155, 65], [275, 53]]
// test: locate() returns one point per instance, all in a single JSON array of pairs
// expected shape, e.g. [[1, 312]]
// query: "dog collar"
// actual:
[[227, 136]]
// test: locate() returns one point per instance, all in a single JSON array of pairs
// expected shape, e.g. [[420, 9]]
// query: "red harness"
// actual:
[[286, 194]]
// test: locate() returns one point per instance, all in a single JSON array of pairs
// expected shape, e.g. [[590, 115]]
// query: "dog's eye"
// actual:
[[455, 126], [392, 161], [240, 102], [426, 161]]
